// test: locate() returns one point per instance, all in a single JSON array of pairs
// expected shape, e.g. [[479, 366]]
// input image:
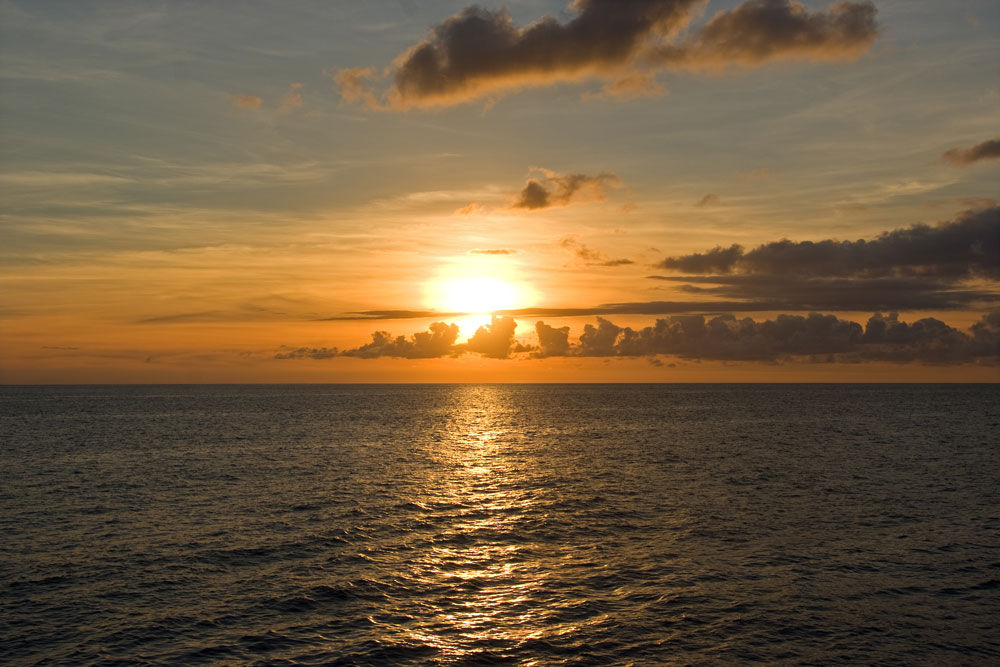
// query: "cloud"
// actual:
[[716, 260], [709, 200], [812, 337], [494, 340], [437, 341], [759, 31], [631, 86], [245, 101], [966, 247], [479, 53], [552, 342], [815, 336], [550, 189], [987, 150], [493, 251], [292, 99], [808, 293], [590, 256], [308, 353]]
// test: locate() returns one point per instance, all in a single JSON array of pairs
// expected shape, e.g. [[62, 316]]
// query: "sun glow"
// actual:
[[479, 295]]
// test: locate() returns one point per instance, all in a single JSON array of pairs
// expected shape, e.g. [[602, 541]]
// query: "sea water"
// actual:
[[548, 524]]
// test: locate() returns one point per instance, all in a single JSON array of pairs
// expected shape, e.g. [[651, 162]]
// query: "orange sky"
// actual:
[[186, 198]]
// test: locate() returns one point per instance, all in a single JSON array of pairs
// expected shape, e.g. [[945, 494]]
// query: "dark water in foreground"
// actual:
[[575, 524]]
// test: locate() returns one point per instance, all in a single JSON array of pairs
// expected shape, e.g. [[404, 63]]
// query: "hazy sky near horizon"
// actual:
[[248, 192]]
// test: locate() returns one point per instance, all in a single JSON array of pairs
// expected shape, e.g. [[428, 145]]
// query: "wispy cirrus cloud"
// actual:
[[245, 101], [479, 53]]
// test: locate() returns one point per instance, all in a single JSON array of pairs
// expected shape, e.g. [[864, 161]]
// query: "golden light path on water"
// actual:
[[483, 557]]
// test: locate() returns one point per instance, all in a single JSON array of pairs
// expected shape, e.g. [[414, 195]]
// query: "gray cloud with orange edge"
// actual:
[[479, 53]]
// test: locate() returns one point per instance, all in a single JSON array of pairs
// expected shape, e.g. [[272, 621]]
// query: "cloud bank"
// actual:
[[478, 53], [814, 337], [946, 266]]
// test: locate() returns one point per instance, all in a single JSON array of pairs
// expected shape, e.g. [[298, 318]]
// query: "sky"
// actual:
[[524, 191]]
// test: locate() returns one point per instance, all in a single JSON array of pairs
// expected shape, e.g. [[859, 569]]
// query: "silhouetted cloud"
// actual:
[[245, 101], [987, 150], [965, 247], [308, 353], [478, 52], [494, 340], [709, 200], [814, 337], [553, 189], [809, 293], [552, 342], [437, 341], [759, 31]]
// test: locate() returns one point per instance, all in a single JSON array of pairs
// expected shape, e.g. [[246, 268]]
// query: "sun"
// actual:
[[479, 294]]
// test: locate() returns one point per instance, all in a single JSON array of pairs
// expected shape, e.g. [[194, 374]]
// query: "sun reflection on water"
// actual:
[[484, 565]]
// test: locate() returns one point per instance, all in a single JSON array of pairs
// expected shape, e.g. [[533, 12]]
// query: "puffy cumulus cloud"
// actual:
[[965, 247], [437, 341], [245, 101], [987, 150], [549, 188], [478, 53], [552, 342], [812, 337], [494, 340], [308, 353], [759, 31]]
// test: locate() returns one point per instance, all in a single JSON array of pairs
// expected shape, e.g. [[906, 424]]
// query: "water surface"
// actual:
[[577, 524]]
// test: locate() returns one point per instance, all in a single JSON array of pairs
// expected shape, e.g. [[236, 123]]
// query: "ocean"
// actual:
[[500, 524]]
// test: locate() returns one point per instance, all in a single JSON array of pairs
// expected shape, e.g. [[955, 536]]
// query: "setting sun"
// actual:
[[479, 295]]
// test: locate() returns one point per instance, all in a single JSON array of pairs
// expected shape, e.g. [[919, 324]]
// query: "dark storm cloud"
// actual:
[[478, 52], [554, 189], [987, 150], [762, 30], [968, 246], [438, 341]]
